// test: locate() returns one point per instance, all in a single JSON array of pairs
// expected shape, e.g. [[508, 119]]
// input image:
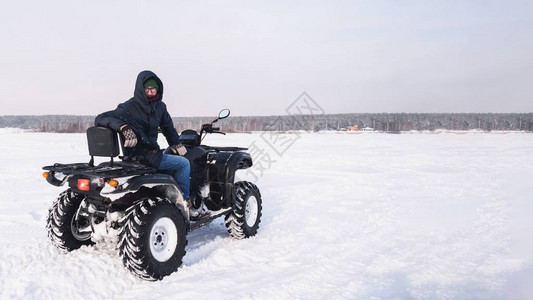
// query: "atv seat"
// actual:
[[102, 142]]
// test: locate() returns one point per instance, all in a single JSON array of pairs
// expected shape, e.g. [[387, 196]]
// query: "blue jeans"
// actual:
[[180, 168]]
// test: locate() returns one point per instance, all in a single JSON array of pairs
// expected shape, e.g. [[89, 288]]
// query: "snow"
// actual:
[[421, 216]]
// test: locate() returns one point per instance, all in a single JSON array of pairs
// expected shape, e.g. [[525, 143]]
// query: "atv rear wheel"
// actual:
[[62, 225], [244, 220], [153, 239]]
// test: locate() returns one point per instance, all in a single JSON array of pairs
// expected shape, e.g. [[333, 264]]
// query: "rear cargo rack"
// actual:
[[117, 169]]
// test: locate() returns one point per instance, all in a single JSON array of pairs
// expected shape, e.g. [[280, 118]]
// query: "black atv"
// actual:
[[142, 210]]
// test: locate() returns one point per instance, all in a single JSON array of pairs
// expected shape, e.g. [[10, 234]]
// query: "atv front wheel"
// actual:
[[153, 239], [244, 220], [62, 225]]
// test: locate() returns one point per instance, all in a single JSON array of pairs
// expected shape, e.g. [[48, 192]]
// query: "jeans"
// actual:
[[180, 168]]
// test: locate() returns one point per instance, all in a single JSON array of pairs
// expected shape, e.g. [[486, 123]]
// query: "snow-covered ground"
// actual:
[[367, 216]]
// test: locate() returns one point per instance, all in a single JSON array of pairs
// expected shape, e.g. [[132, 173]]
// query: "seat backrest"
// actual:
[[102, 142]]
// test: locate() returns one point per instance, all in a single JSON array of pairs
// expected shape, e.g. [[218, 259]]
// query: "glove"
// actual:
[[178, 149], [129, 135]]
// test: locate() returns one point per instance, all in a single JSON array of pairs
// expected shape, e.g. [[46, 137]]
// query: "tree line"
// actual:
[[386, 122]]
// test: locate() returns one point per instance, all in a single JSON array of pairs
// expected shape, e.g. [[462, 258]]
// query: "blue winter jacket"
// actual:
[[144, 117]]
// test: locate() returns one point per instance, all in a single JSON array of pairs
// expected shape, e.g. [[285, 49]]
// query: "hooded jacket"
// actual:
[[144, 118]]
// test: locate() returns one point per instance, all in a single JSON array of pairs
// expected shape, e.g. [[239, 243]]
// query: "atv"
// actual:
[[142, 210]]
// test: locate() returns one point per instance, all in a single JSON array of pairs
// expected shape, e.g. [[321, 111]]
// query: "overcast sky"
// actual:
[[256, 57]]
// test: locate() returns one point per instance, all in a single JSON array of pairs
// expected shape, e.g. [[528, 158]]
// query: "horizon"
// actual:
[[287, 115], [387, 122]]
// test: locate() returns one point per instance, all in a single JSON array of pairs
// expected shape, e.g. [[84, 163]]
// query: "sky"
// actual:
[[257, 57]]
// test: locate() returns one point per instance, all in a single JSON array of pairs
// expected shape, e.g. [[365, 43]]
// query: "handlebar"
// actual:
[[208, 128]]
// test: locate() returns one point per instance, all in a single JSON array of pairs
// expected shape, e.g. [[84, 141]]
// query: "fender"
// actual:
[[237, 161], [135, 183], [227, 163], [159, 185]]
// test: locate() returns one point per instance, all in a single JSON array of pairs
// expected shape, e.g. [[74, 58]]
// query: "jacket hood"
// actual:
[[139, 95]]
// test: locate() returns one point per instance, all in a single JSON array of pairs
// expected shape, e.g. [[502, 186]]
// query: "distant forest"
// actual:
[[386, 122]]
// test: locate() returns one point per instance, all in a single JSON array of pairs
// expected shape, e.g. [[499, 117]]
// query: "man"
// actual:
[[138, 120]]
